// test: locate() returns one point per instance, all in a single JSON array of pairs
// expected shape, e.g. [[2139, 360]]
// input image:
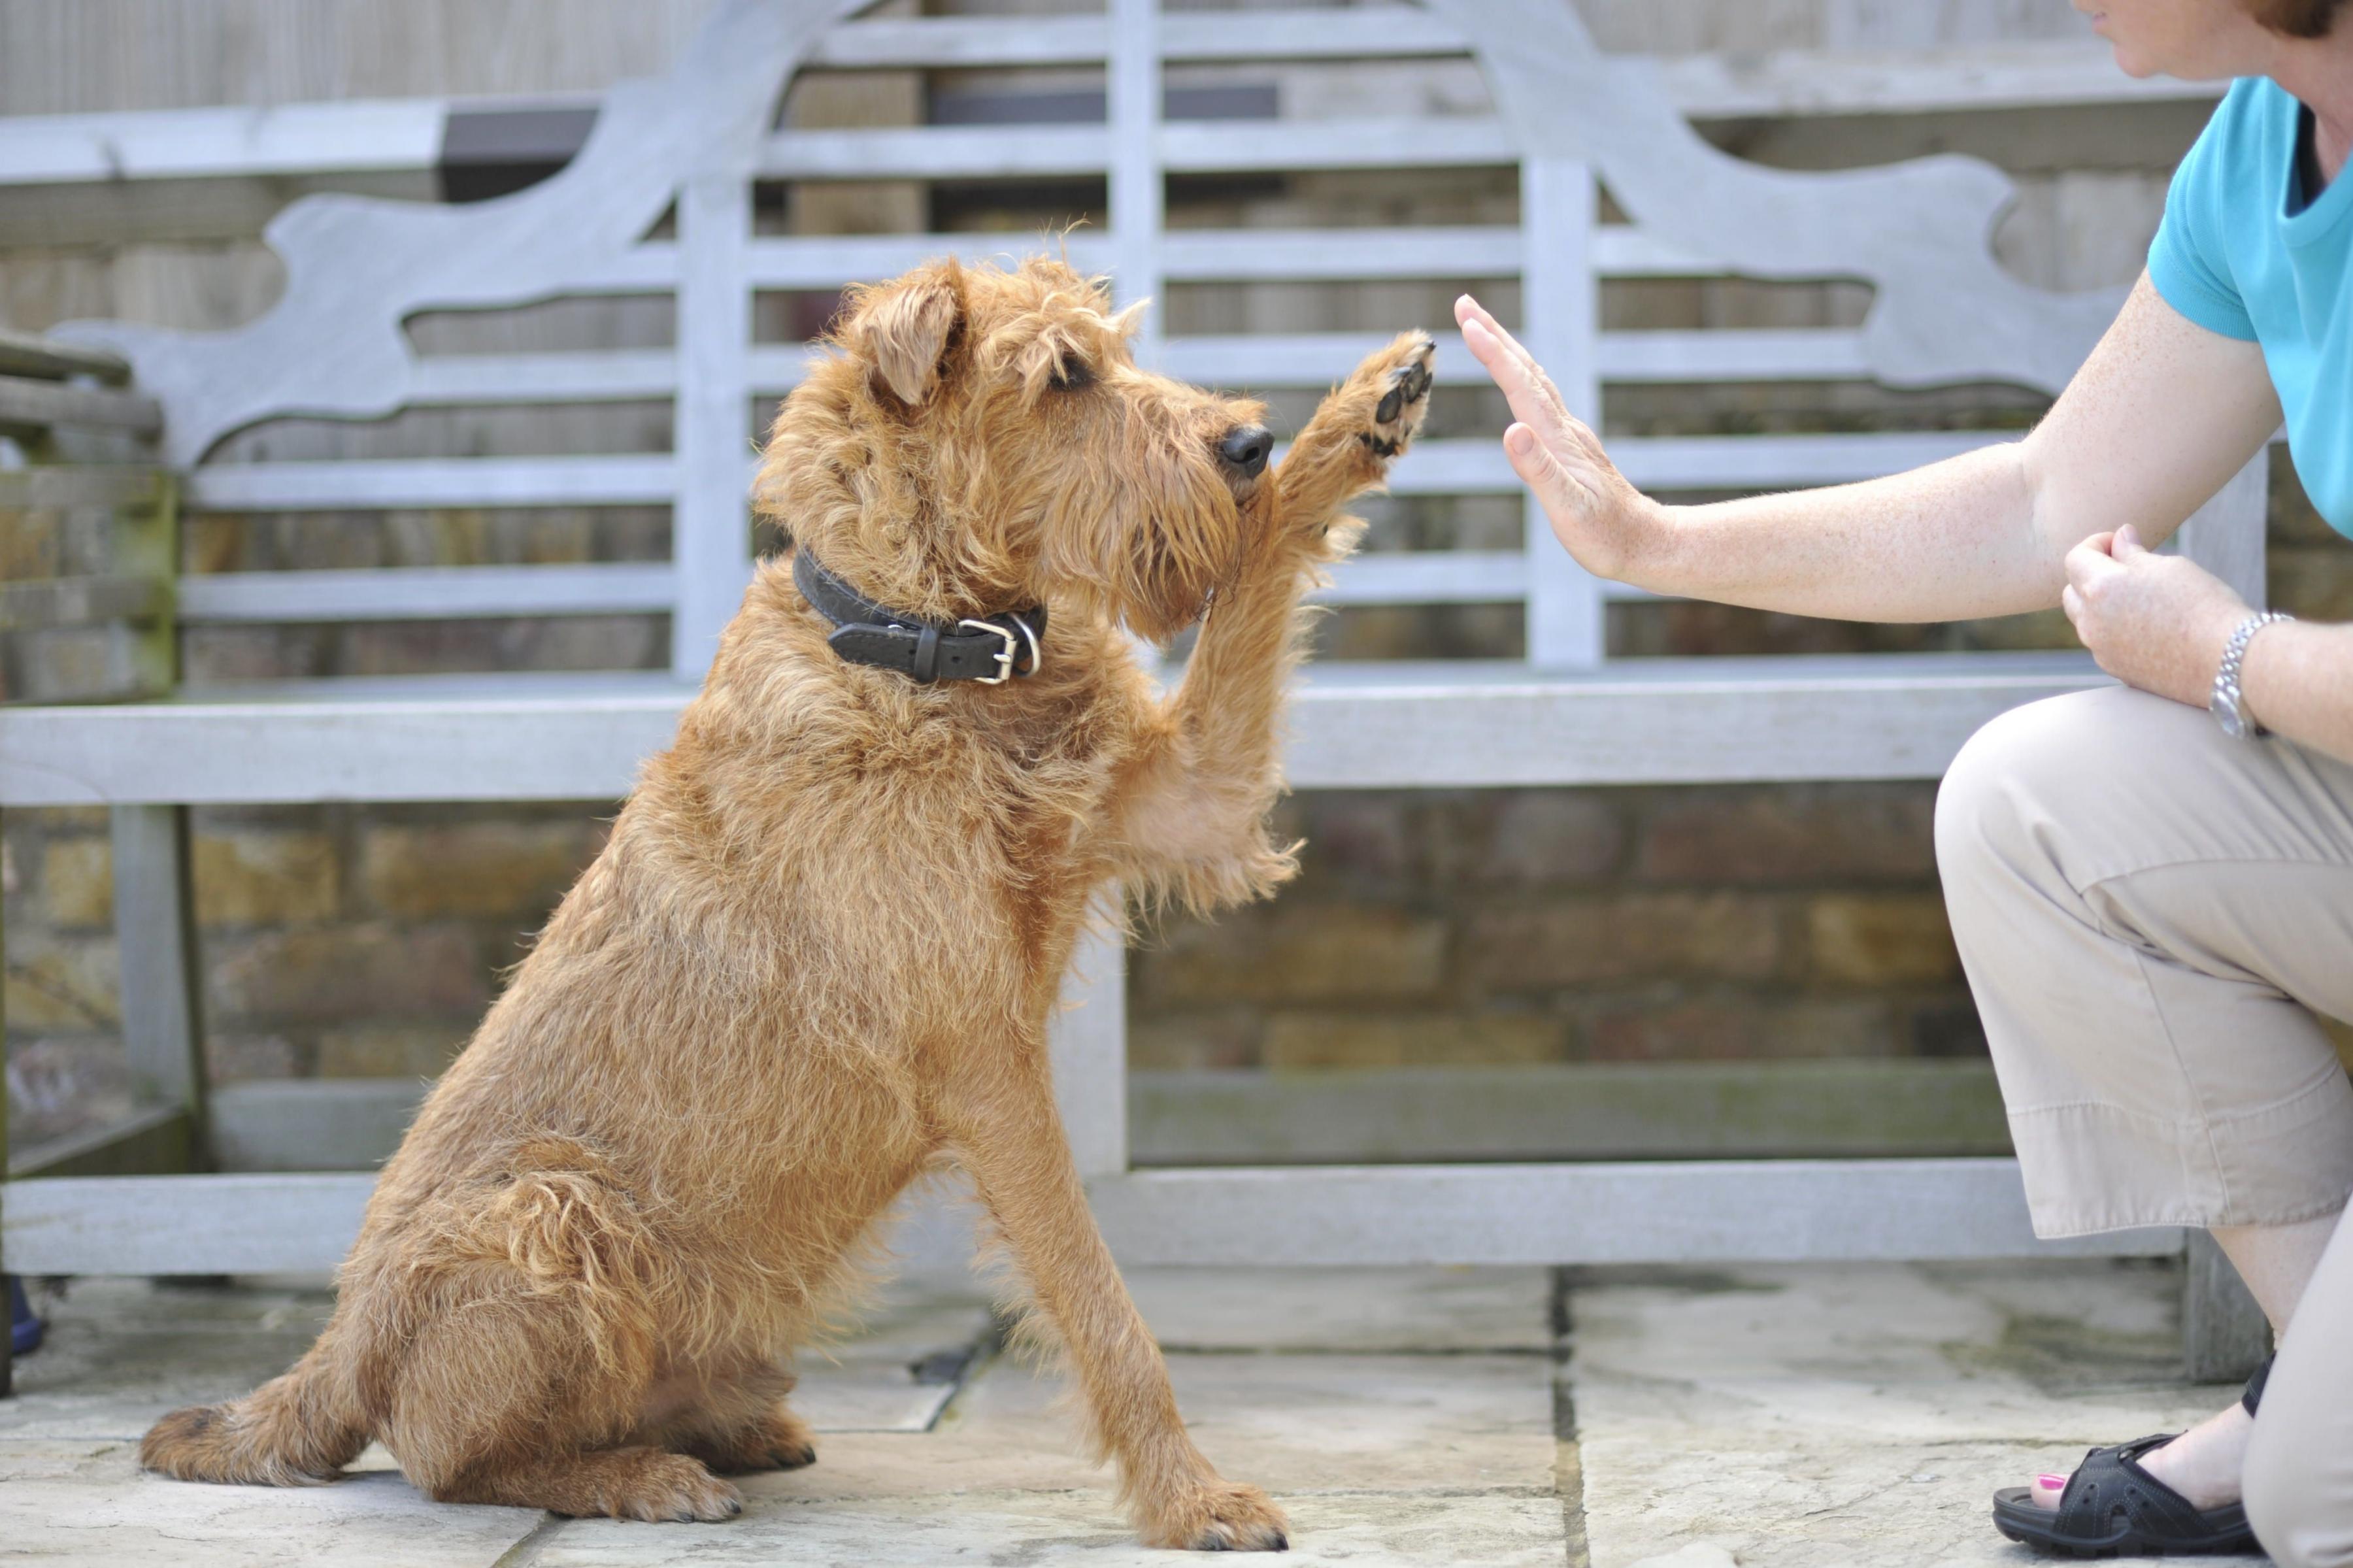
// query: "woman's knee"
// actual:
[[1986, 803], [2297, 1498], [2018, 783]]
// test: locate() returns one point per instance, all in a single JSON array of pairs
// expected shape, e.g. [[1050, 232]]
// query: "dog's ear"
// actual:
[[902, 329]]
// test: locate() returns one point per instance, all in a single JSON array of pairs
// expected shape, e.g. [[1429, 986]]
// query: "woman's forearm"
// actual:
[[1949, 542], [2297, 678]]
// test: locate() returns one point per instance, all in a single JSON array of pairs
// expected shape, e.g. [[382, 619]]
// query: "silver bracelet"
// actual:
[[2229, 704]]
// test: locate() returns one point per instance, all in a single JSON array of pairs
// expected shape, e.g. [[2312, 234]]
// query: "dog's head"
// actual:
[[983, 439]]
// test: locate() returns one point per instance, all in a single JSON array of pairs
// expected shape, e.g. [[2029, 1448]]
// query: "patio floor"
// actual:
[[1817, 1415]]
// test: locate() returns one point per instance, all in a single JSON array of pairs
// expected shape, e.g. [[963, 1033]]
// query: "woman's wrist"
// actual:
[[1647, 549]]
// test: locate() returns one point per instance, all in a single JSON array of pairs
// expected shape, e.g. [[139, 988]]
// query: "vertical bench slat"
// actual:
[[1138, 194], [155, 927], [1566, 626], [1088, 1042], [711, 528]]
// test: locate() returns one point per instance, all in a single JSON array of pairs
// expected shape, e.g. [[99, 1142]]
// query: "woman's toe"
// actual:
[[2046, 1490]]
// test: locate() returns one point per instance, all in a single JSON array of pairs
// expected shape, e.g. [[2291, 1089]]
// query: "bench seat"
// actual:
[[1372, 725]]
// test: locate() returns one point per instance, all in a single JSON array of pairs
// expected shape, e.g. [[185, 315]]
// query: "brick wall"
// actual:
[[1428, 928]]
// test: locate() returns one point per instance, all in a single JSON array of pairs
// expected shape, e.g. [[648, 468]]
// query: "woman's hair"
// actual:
[[2297, 18]]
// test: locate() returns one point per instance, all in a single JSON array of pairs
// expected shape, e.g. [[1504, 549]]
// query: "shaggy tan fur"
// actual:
[[820, 950]]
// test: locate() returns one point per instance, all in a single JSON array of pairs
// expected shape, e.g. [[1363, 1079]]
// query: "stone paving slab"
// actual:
[[1376, 1529], [1859, 1415], [1329, 1311], [1382, 1459], [86, 1504], [120, 1352]]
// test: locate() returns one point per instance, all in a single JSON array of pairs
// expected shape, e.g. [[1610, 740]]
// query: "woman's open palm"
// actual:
[[1597, 516]]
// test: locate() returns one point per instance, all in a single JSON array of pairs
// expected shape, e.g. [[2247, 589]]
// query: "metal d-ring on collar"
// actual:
[[987, 652]]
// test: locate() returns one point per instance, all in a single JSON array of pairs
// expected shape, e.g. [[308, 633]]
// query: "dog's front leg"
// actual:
[[1193, 822], [1002, 1120]]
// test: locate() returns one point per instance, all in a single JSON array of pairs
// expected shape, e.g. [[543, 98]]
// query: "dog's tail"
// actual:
[[292, 1431]]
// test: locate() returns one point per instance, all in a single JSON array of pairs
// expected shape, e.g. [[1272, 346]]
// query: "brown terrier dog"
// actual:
[[821, 947]]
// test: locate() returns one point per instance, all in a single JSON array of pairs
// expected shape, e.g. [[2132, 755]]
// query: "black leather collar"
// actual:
[[990, 651]]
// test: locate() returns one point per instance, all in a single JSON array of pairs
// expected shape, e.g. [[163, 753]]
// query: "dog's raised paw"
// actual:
[[1404, 376], [1225, 1516]]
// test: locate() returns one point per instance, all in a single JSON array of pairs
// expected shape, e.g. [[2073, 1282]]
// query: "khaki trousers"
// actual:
[[2151, 915]]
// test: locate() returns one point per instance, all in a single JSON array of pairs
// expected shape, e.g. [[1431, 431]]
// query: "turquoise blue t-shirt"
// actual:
[[2244, 252]]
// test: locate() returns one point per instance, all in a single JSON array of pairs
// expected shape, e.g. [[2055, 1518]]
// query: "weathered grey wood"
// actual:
[[404, 136], [830, 261], [1322, 358], [1651, 1212], [1089, 1044], [1277, 255], [1137, 181], [1980, 77], [966, 42], [712, 529], [1439, 467], [1944, 309], [156, 1140], [23, 401], [1622, 250], [619, 375], [2225, 1334], [1458, 724], [936, 152], [357, 270], [182, 1224], [1583, 1111], [1566, 629], [441, 482], [331, 746], [44, 486], [243, 140], [1681, 722], [2226, 535], [1429, 577], [79, 601], [24, 353], [1697, 462], [312, 1124], [962, 43], [1449, 141], [424, 593], [155, 931]]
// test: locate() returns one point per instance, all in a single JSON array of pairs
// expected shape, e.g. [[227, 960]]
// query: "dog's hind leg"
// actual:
[[734, 1423], [1004, 1122], [532, 1341]]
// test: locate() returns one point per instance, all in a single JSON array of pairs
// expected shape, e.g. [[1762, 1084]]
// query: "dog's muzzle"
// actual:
[[1246, 449]]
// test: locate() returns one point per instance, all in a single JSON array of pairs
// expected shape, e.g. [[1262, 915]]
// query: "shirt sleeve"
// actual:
[[2187, 262]]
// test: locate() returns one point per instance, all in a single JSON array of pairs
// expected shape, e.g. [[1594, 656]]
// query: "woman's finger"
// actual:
[[2072, 603], [1468, 309], [2090, 562], [1533, 401], [2126, 542]]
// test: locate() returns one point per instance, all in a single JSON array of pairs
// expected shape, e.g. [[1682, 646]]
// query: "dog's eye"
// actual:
[[1070, 374]]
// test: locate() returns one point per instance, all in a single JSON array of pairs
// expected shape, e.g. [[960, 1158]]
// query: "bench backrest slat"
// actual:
[[710, 121]]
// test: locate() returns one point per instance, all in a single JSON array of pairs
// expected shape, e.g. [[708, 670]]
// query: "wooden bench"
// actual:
[[677, 159]]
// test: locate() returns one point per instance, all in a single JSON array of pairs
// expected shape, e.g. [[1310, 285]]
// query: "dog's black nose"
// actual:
[[1246, 447]]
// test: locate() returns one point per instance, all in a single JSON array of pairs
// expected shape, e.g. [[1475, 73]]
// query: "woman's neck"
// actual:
[[2319, 72]]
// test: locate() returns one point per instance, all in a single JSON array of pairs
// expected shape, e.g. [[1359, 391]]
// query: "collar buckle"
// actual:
[[1005, 657]]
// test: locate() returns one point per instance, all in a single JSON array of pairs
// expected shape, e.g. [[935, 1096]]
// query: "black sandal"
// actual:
[[2112, 1506]]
